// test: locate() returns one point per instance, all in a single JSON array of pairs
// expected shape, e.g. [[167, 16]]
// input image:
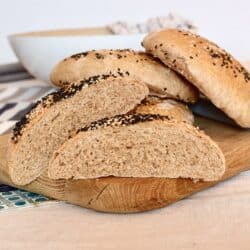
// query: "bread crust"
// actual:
[[144, 67], [211, 69], [166, 107]]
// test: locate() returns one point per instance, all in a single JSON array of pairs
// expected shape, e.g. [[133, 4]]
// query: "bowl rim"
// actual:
[[90, 31]]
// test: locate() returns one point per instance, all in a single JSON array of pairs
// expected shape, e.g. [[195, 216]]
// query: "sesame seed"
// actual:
[[122, 120], [78, 55]]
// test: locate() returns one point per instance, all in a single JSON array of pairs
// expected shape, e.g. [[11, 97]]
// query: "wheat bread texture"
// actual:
[[218, 75], [160, 79], [59, 114], [138, 145], [165, 107]]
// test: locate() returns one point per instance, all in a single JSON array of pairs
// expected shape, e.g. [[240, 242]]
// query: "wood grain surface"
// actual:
[[126, 195]]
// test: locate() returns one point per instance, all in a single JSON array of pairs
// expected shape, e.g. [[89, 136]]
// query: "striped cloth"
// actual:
[[16, 99]]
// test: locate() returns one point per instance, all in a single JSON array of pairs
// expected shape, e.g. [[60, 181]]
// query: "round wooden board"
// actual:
[[128, 195]]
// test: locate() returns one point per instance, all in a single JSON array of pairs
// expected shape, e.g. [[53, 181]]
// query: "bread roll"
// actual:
[[211, 69], [159, 78], [59, 114], [138, 145]]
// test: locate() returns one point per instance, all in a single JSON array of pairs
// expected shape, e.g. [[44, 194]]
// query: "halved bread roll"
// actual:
[[138, 145], [165, 107], [59, 114], [160, 79], [219, 76]]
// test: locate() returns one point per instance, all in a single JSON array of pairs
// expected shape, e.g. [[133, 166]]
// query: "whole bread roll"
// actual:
[[211, 69], [138, 145], [160, 79], [58, 115]]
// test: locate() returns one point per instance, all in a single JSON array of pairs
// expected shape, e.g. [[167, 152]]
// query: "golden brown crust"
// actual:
[[166, 107], [139, 65], [211, 69]]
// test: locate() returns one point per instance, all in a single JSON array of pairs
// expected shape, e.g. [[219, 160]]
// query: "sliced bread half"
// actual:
[[138, 145], [160, 79], [59, 114]]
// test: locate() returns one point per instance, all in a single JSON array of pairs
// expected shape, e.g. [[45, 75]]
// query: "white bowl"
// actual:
[[39, 54]]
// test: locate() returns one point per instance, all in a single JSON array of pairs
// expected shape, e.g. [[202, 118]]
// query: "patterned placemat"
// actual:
[[11, 197]]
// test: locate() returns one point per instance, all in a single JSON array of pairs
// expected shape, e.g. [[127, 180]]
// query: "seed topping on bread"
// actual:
[[122, 120], [53, 98], [121, 53], [219, 57], [78, 55]]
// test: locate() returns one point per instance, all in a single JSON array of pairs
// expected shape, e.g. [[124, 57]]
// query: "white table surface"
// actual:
[[217, 218]]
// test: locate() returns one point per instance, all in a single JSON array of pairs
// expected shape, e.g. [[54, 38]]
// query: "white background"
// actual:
[[224, 20]]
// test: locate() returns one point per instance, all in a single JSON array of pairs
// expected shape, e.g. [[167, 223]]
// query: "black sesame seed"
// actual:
[[78, 55], [122, 120], [99, 56]]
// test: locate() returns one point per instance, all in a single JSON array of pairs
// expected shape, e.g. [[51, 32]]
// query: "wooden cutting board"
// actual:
[[127, 195]]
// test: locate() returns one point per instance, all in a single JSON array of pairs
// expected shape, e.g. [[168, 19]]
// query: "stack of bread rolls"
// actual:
[[123, 113]]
